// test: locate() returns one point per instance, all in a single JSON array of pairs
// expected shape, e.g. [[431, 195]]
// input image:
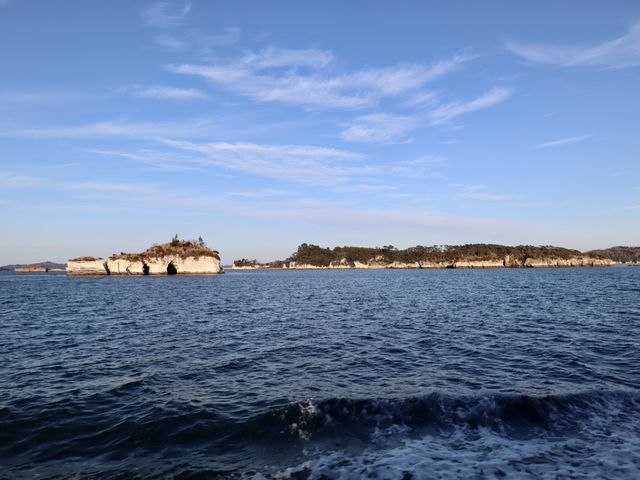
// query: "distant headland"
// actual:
[[190, 257], [477, 255], [40, 267]]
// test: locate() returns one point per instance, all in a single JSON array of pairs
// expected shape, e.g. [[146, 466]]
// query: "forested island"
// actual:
[[626, 255], [477, 255]]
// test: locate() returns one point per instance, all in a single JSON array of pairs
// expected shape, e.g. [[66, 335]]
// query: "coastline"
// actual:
[[426, 267]]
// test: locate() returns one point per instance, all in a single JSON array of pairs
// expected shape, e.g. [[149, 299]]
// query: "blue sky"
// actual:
[[262, 125]]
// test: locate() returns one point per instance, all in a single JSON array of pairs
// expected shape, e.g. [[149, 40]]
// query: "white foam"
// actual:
[[604, 447]]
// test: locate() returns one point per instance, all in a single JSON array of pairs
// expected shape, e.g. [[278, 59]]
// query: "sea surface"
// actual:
[[385, 374]]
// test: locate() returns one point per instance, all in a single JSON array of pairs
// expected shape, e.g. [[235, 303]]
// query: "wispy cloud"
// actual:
[[265, 192], [477, 193], [165, 92], [10, 180], [564, 141], [621, 52], [445, 113], [171, 42], [42, 96], [197, 41], [287, 58], [424, 166], [339, 170], [484, 196], [104, 187], [109, 129], [304, 164], [422, 98], [166, 14], [162, 160], [379, 128], [19, 181], [308, 78]]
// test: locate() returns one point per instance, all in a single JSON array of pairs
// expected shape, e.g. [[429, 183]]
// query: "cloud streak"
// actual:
[[477, 193], [166, 92], [308, 78], [293, 163], [337, 169], [197, 41], [448, 112], [111, 129], [621, 52], [166, 14], [564, 141], [379, 128]]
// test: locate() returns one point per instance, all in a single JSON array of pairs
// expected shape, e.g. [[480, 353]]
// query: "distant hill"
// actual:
[[620, 254], [48, 265]]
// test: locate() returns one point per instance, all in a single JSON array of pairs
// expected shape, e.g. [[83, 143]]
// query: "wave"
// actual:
[[510, 414], [583, 435], [387, 433]]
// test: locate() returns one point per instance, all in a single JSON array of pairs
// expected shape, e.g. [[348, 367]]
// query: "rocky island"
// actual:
[[189, 257], [478, 255], [42, 267]]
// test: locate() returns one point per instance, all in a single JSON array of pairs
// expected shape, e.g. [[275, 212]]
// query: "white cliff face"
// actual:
[[177, 257], [121, 266], [86, 267], [569, 262], [305, 266], [203, 265], [479, 264], [197, 265]]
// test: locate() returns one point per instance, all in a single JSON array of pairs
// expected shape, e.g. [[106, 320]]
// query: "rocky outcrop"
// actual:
[[478, 263], [121, 266], [87, 266], [568, 262], [163, 265], [36, 268], [175, 257]]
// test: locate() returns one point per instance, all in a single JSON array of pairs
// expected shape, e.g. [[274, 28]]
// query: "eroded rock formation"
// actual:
[[175, 257]]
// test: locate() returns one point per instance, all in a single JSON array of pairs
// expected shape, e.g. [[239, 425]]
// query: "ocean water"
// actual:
[[389, 374]]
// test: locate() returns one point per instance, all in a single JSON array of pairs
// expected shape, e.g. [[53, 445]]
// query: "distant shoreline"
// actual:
[[477, 255], [311, 267], [313, 257]]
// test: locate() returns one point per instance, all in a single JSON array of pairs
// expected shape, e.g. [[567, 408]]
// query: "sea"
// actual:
[[330, 374]]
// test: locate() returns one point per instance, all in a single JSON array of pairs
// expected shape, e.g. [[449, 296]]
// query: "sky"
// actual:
[[263, 125]]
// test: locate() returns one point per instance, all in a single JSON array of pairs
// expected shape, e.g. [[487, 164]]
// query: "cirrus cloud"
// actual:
[[445, 113], [307, 78], [621, 52]]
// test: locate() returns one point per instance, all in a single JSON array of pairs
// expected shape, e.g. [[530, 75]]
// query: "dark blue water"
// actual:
[[322, 374]]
